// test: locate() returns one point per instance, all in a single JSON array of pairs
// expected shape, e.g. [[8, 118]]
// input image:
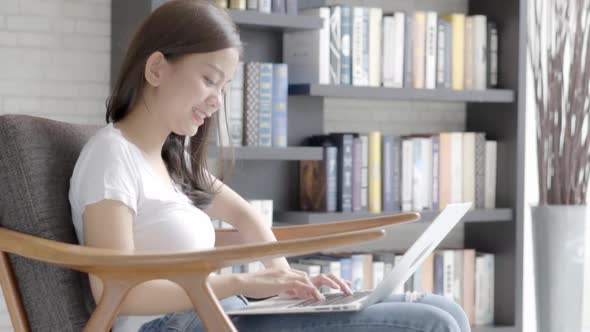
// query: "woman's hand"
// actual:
[[329, 280], [273, 281]]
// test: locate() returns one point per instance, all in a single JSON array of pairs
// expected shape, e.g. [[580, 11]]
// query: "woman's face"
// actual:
[[191, 88]]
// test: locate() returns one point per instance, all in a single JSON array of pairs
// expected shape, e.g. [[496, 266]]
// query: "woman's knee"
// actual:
[[449, 306]]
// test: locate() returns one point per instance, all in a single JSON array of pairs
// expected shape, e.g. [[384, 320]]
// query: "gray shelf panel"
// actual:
[[362, 92], [303, 218], [269, 153], [250, 18], [494, 329]]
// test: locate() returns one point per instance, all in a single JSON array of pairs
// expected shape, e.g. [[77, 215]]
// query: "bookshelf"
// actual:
[[445, 95], [315, 109], [274, 21], [302, 217], [262, 153]]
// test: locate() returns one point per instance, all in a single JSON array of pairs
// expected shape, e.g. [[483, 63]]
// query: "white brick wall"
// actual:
[[55, 58], [54, 63]]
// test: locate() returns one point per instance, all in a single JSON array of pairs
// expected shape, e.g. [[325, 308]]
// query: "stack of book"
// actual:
[[386, 173], [289, 7], [256, 106], [363, 47]]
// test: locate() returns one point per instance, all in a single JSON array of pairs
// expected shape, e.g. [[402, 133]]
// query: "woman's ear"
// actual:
[[154, 68]]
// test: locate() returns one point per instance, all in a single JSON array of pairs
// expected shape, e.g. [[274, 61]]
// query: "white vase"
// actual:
[[561, 248]]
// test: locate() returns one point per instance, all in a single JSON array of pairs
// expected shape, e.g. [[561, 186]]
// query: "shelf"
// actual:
[[251, 18], [269, 153], [303, 218], [363, 92], [494, 329]]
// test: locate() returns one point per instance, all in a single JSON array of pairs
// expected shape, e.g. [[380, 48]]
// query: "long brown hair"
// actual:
[[177, 28]]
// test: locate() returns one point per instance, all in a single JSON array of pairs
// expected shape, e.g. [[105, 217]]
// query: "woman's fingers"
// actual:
[[332, 281]]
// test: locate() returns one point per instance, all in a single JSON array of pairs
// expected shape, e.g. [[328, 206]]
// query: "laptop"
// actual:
[[401, 272]]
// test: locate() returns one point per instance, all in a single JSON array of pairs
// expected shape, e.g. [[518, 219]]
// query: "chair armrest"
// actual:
[[117, 262], [224, 237]]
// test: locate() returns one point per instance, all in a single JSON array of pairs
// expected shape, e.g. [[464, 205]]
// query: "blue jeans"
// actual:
[[428, 313]]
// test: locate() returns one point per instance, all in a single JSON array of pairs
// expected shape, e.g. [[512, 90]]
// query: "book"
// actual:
[[356, 173], [364, 138], [374, 49], [468, 282], [484, 289], [419, 40], [335, 44], [360, 77], [490, 174], [346, 44], [279, 105], [399, 27], [492, 63], [375, 172], [265, 105], [344, 143], [318, 178], [479, 52], [469, 168], [237, 4], [409, 52], [430, 46], [457, 21]]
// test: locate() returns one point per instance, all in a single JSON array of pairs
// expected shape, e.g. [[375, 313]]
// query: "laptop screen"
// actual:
[[419, 251]]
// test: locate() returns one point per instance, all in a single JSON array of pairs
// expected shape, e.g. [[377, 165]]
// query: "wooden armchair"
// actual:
[[37, 157]]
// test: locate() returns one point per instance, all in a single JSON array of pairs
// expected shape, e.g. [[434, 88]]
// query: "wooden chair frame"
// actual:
[[120, 271]]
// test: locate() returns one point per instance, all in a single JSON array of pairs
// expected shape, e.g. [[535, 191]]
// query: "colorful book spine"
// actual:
[[375, 172], [331, 162], [364, 172], [435, 172], [346, 44], [344, 143], [409, 52], [237, 4], [265, 105], [279, 105], [396, 170], [335, 44], [387, 173], [356, 174]]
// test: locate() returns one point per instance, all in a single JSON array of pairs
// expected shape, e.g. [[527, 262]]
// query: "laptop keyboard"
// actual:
[[332, 299]]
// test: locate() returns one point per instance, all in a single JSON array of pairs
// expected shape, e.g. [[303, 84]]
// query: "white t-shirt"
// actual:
[[111, 167]]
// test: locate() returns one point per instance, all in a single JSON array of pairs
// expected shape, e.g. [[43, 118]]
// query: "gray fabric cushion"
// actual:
[[37, 157]]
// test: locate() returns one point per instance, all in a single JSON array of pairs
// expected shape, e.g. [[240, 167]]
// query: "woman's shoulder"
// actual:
[[106, 143]]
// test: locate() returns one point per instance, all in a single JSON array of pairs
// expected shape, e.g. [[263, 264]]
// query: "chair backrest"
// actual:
[[37, 158]]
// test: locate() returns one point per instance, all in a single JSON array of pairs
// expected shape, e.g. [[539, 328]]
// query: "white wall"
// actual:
[[55, 63], [55, 58]]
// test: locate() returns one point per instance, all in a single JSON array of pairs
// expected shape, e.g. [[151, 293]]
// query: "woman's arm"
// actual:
[[230, 207], [109, 224]]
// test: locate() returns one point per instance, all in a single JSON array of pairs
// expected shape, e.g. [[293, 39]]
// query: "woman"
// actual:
[[133, 189]]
